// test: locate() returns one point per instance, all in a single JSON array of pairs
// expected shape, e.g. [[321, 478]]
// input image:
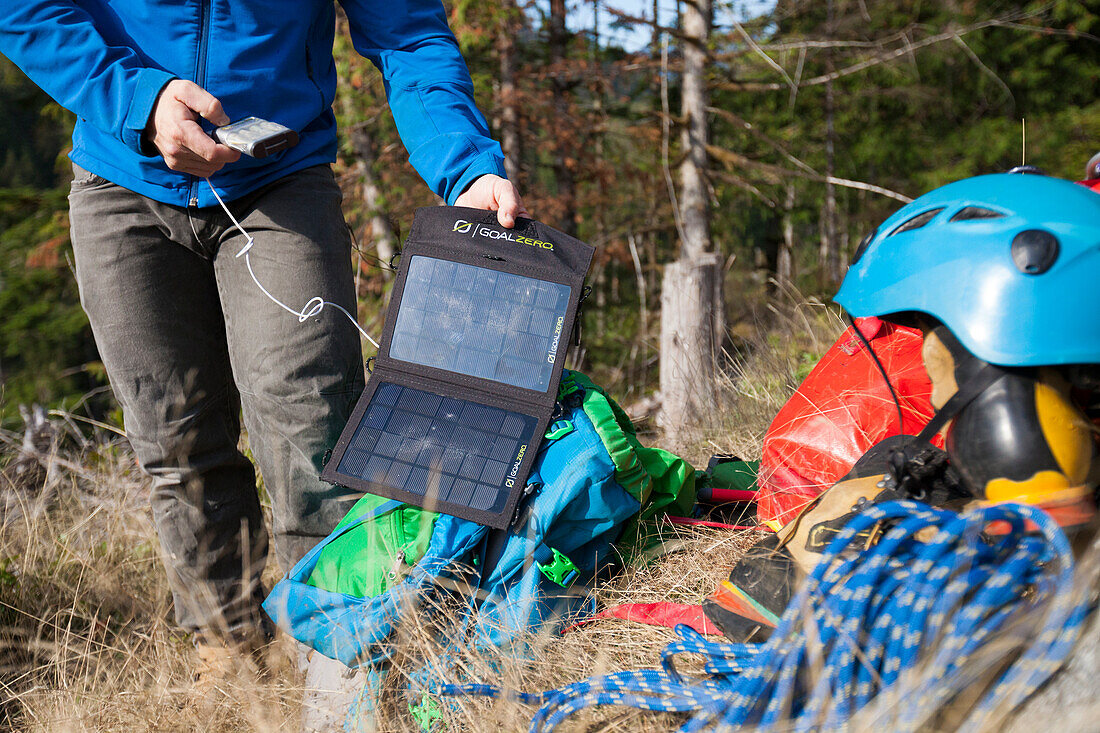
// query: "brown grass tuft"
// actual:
[[86, 635], [87, 641]]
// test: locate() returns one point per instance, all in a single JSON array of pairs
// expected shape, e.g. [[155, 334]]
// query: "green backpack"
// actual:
[[592, 486]]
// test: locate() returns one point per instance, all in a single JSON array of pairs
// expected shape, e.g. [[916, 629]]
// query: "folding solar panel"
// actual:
[[468, 367]]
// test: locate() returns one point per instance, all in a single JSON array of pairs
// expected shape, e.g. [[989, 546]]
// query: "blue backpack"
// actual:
[[592, 485]]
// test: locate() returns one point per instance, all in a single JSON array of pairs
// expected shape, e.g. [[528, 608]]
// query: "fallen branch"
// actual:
[[777, 172], [885, 56]]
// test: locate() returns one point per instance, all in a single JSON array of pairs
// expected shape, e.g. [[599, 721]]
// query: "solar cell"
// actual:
[[480, 322], [440, 448]]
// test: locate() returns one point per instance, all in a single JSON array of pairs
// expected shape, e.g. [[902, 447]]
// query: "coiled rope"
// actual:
[[891, 634]]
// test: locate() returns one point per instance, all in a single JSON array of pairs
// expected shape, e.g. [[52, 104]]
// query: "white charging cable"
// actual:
[[312, 308]]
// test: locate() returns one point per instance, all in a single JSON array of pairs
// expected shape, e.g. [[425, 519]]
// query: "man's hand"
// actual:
[[174, 129], [495, 194]]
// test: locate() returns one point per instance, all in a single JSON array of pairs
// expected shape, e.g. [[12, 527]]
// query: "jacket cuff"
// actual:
[[147, 88], [486, 163]]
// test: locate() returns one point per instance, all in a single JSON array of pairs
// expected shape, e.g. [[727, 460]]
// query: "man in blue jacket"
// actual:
[[187, 337]]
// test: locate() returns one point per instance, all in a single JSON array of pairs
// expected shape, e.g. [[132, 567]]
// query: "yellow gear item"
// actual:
[[1022, 439], [1068, 433]]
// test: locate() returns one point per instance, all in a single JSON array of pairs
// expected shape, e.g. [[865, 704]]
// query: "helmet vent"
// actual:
[[972, 213], [1034, 251], [917, 221], [863, 245], [1029, 170]]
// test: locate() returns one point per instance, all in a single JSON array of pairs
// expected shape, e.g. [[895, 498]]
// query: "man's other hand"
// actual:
[[495, 194], [174, 129]]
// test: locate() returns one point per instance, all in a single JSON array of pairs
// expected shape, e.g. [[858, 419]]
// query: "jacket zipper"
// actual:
[[200, 79]]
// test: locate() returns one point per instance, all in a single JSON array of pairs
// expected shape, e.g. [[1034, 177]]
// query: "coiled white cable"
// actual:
[[313, 306]]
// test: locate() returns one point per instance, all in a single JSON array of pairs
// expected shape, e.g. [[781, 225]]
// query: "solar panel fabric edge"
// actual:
[[463, 229]]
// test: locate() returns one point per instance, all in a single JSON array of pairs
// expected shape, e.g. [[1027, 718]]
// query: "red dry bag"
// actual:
[[842, 409]]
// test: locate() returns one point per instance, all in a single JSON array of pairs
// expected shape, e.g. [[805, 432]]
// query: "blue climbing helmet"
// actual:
[[1009, 262]]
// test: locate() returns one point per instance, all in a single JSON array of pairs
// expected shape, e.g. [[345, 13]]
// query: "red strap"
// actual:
[[723, 496], [686, 521], [657, 614]]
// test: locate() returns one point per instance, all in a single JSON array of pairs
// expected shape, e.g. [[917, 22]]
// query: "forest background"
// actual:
[[766, 143], [821, 117]]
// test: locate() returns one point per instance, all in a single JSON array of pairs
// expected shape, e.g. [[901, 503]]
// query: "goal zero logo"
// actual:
[[556, 341], [510, 481], [487, 232]]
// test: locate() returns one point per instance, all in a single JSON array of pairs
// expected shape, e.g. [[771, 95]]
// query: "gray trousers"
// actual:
[[188, 340]]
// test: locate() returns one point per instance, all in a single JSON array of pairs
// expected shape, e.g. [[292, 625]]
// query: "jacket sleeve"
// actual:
[[58, 45], [429, 88]]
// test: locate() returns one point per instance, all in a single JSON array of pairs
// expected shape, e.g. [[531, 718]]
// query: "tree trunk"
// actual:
[[601, 299], [692, 320], [651, 260], [563, 171], [830, 252], [655, 40], [594, 49], [694, 195], [688, 343], [601, 209], [377, 225], [506, 103], [784, 260]]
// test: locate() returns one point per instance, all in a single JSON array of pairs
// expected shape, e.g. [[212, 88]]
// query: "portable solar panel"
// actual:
[[468, 368]]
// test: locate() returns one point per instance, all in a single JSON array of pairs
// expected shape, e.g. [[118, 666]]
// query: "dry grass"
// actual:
[[87, 642], [684, 570], [761, 370], [86, 635]]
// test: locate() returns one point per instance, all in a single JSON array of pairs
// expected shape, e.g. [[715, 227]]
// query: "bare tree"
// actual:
[[506, 90], [784, 261], [378, 226], [693, 181], [691, 303], [829, 259], [561, 84]]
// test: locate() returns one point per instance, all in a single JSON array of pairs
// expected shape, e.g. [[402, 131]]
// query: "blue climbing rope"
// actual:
[[893, 632]]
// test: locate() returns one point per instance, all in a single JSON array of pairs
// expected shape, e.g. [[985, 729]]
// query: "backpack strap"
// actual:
[[555, 565], [615, 431], [659, 480]]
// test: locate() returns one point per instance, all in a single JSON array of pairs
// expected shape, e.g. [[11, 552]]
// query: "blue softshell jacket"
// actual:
[[108, 61]]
